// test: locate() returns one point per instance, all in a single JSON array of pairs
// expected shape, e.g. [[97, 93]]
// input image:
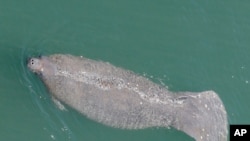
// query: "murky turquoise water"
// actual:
[[188, 45]]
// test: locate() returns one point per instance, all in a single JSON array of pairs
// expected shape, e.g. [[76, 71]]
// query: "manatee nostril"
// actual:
[[32, 61]]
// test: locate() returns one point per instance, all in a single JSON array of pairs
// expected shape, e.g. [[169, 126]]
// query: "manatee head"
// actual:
[[41, 65]]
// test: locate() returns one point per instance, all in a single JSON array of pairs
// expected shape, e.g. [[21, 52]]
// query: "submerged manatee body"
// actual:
[[120, 98]]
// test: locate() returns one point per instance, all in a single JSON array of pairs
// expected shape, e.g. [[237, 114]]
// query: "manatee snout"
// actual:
[[41, 65], [35, 65]]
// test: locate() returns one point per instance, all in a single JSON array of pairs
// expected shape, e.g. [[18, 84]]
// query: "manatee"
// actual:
[[123, 99]]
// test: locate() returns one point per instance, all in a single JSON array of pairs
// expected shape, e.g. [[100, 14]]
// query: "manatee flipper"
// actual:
[[59, 104], [202, 116]]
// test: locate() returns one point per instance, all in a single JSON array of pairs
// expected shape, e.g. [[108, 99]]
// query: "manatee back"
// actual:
[[120, 98], [108, 94]]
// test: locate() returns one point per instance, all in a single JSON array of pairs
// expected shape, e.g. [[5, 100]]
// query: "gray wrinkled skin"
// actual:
[[120, 98]]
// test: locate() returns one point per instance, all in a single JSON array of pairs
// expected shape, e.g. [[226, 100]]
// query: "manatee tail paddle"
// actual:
[[201, 116]]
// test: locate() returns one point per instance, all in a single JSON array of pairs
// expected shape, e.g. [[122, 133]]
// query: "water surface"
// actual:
[[187, 45]]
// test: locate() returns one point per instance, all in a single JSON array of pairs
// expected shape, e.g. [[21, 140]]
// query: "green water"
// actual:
[[188, 45]]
